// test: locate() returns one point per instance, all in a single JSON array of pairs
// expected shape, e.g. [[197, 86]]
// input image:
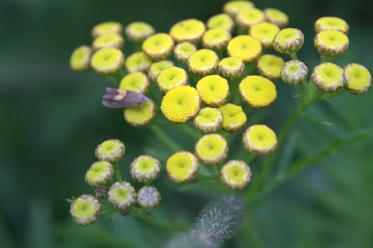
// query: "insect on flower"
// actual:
[[117, 98]]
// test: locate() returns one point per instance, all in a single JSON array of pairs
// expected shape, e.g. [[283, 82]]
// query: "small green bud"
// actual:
[[122, 195], [110, 150], [145, 168], [288, 41], [85, 209], [148, 197], [294, 72], [99, 174]]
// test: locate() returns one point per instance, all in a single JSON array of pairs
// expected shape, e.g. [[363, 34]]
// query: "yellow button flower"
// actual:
[[258, 91], [107, 60], [212, 149], [277, 17], [107, 28], [245, 47], [358, 78], [288, 41], [80, 58], [331, 23], [234, 118], [188, 30], [157, 67], [137, 62], [184, 50], [181, 104], [216, 39], [141, 114], [208, 120], [213, 90], [233, 7], [110, 150], [328, 77], [99, 174], [182, 167], [236, 174], [203, 62], [222, 21], [139, 31], [85, 210], [270, 66], [145, 168], [249, 17], [260, 140], [135, 81], [172, 78], [108, 40], [158, 46], [265, 32], [331, 43], [231, 67]]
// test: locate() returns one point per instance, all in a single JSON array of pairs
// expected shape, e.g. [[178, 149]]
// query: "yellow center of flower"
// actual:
[[158, 45], [80, 58], [270, 66], [258, 91], [203, 61], [236, 174], [213, 89], [136, 81], [83, 208], [234, 117], [107, 60], [182, 167], [171, 78], [145, 164], [233, 7], [137, 62], [139, 30], [249, 17], [188, 30], [288, 35], [211, 148], [244, 47], [140, 115], [106, 28], [108, 40], [98, 173], [222, 21], [358, 78], [265, 32], [157, 67], [332, 39], [328, 76], [260, 139], [276, 16], [216, 38], [331, 23], [184, 50], [208, 117]]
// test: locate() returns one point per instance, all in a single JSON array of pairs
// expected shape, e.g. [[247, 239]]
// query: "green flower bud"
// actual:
[[145, 168], [122, 195], [100, 173], [148, 197], [288, 41], [85, 209], [294, 72], [110, 150]]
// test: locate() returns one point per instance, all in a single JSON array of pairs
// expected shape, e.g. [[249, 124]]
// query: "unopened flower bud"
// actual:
[[100, 173], [358, 78], [122, 195], [288, 41], [148, 197], [294, 72], [110, 150], [85, 209], [328, 77], [236, 174], [260, 140], [212, 149], [145, 168]]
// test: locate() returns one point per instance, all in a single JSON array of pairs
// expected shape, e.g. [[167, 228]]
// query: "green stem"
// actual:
[[117, 171], [250, 158], [294, 56], [165, 138]]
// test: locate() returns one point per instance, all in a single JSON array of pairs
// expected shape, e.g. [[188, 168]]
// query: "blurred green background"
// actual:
[[51, 120]]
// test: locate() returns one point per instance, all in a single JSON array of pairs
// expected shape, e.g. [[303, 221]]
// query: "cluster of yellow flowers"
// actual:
[[214, 73]]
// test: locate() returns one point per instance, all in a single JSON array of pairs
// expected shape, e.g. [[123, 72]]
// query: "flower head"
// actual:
[[108, 40], [122, 195], [216, 39], [331, 23], [107, 28], [137, 62], [208, 120], [80, 58], [331, 43], [231, 67], [107, 60], [328, 77], [158, 46], [265, 32], [277, 17], [184, 50], [180, 104], [182, 167], [234, 118], [135, 81], [236, 174], [288, 41], [141, 114], [222, 21], [203, 62], [260, 139], [157, 67], [211, 148], [258, 91], [188, 30], [245, 47], [85, 209], [358, 78], [294, 72], [172, 78], [233, 7], [111, 150], [99, 174], [148, 197], [270, 66], [145, 168], [213, 90], [249, 17], [139, 31]]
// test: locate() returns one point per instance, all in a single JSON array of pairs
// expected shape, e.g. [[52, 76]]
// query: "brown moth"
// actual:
[[117, 98]]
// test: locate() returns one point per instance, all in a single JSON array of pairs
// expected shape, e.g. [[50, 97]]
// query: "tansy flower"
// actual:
[[245, 47], [148, 197], [216, 39], [188, 30], [158, 46], [288, 41], [85, 209], [328, 77], [265, 32], [203, 62], [182, 167], [233, 7], [135, 81], [157, 67], [213, 90], [99, 174], [184, 50], [270, 66], [208, 120], [331, 43], [236, 174], [260, 140], [258, 91], [331, 23], [111, 150], [222, 21], [211, 149], [231, 67], [181, 104], [108, 40], [249, 17], [294, 72], [145, 168], [358, 78], [107, 28], [277, 17], [139, 31], [234, 118], [122, 195], [80, 58], [141, 114], [107, 60], [137, 62], [172, 78]]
